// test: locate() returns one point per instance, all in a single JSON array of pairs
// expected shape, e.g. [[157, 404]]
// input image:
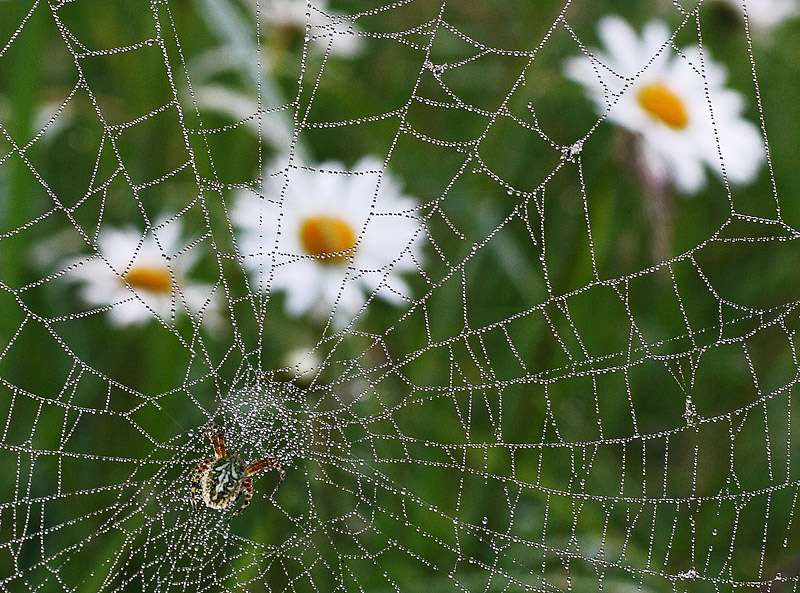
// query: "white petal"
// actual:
[[131, 312], [622, 45], [168, 234], [394, 290], [687, 172], [581, 71], [102, 291], [303, 285], [88, 270], [742, 150], [119, 246], [199, 296], [654, 37], [351, 299]]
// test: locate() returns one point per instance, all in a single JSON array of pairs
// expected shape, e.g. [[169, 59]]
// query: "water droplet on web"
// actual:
[[485, 520]]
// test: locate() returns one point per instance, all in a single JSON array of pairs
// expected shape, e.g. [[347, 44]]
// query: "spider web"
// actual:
[[470, 440]]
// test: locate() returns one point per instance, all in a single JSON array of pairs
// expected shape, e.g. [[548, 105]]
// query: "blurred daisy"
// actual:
[[142, 276], [303, 364], [327, 27], [766, 14], [664, 102], [337, 243]]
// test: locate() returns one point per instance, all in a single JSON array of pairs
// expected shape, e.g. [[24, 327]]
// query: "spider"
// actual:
[[223, 478]]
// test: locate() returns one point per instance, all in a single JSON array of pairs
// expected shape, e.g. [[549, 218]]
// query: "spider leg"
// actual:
[[268, 462], [194, 476], [248, 494], [217, 439]]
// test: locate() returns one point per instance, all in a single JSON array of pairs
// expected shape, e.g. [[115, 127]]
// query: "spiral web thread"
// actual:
[[376, 498]]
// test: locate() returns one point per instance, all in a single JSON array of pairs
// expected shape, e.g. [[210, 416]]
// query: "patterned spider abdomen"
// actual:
[[222, 482]]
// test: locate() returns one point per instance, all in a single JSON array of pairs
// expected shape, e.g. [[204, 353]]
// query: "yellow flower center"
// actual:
[[664, 105], [150, 278], [329, 240]]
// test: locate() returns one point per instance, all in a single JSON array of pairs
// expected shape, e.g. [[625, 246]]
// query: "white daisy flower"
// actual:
[[327, 26], [325, 239], [647, 87], [140, 277], [766, 14]]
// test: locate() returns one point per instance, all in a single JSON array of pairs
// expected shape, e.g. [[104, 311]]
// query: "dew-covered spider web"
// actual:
[[587, 385]]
